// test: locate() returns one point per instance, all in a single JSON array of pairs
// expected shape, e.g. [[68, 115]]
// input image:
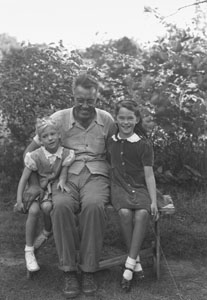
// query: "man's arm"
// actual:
[[31, 147], [34, 188]]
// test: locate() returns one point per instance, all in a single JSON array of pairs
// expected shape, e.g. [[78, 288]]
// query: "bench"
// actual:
[[154, 251]]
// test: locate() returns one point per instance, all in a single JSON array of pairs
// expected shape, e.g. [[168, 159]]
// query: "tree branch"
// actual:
[[189, 5]]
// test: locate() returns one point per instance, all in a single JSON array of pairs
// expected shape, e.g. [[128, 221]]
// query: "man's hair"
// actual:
[[86, 81]]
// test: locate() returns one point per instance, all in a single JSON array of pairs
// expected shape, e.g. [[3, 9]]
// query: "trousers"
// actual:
[[79, 221]]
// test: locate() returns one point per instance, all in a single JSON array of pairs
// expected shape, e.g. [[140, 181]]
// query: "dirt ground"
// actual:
[[184, 280]]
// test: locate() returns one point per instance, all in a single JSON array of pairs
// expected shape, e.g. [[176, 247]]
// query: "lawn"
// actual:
[[183, 264]]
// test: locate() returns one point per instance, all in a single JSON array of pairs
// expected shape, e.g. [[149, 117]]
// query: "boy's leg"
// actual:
[[31, 223], [46, 208]]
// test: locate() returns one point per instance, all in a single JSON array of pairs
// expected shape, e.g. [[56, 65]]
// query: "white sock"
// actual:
[[129, 265], [29, 248], [138, 267]]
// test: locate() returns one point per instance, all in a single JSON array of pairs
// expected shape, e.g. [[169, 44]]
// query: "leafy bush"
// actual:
[[167, 79]]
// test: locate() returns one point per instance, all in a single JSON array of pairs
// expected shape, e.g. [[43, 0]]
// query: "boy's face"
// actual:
[[50, 139], [85, 102]]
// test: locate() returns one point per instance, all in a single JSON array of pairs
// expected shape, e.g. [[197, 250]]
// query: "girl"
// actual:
[[50, 161], [133, 188]]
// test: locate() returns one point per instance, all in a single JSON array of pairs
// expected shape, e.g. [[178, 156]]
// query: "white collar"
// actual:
[[58, 153], [132, 139]]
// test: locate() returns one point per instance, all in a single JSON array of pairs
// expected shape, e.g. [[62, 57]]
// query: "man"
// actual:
[[78, 217]]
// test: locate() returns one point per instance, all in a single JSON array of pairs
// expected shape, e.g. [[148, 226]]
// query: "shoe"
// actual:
[[138, 272], [126, 284], [71, 287], [41, 240], [89, 286], [31, 262]]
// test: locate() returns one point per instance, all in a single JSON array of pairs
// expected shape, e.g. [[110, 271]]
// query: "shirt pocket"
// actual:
[[97, 144]]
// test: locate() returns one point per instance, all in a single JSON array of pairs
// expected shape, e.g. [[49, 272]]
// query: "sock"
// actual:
[[138, 267], [29, 248], [129, 265]]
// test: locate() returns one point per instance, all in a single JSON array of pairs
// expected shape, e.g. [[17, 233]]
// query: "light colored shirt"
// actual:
[[47, 165], [89, 143]]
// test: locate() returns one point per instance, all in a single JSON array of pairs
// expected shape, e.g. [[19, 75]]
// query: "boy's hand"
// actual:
[[154, 212], [31, 194], [63, 187], [19, 207]]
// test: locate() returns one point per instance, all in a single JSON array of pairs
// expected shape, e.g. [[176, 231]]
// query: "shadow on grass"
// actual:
[[183, 237]]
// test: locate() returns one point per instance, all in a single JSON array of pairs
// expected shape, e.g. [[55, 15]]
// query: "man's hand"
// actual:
[[31, 194]]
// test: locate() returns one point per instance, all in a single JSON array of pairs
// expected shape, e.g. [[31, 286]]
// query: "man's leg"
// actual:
[[92, 222], [66, 238]]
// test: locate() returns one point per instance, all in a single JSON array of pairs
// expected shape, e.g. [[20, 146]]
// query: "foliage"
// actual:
[[35, 81], [167, 79]]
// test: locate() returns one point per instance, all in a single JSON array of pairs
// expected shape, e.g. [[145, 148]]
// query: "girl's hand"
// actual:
[[63, 187], [154, 211]]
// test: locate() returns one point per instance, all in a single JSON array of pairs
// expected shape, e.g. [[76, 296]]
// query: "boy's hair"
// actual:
[[133, 106], [42, 123], [87, 81]]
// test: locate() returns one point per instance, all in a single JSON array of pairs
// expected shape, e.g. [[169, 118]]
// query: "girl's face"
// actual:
[[126, 121], [50, 139]]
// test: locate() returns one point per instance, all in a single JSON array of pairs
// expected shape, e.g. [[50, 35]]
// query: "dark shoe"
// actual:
[[126, 284], [89, 286], [138, 275], [71, 287]]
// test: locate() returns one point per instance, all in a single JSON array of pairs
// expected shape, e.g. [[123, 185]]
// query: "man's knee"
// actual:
[[92, 204], [64, 204]]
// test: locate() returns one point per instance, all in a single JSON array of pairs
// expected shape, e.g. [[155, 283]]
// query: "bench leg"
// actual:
[[157, 249]]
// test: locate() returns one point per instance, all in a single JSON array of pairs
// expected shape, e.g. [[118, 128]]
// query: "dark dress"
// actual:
[[128, 158]]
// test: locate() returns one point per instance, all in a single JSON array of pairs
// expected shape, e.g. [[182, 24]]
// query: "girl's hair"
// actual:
[[133, 106], [41, 124]]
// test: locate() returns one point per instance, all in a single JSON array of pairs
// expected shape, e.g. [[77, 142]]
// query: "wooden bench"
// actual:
[[154, 251]]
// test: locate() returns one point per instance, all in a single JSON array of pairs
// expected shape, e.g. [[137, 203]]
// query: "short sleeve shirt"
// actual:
[[39, 160], [130, 156], [89, 143]]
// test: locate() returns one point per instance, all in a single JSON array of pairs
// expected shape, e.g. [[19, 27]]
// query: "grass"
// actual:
[[183, 240]]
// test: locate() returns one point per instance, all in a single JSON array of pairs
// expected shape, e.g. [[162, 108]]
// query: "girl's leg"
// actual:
[[139, 225], [141, 219], [126, 220]]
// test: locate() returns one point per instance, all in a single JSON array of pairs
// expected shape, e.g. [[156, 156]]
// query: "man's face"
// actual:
[[85, 102]]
